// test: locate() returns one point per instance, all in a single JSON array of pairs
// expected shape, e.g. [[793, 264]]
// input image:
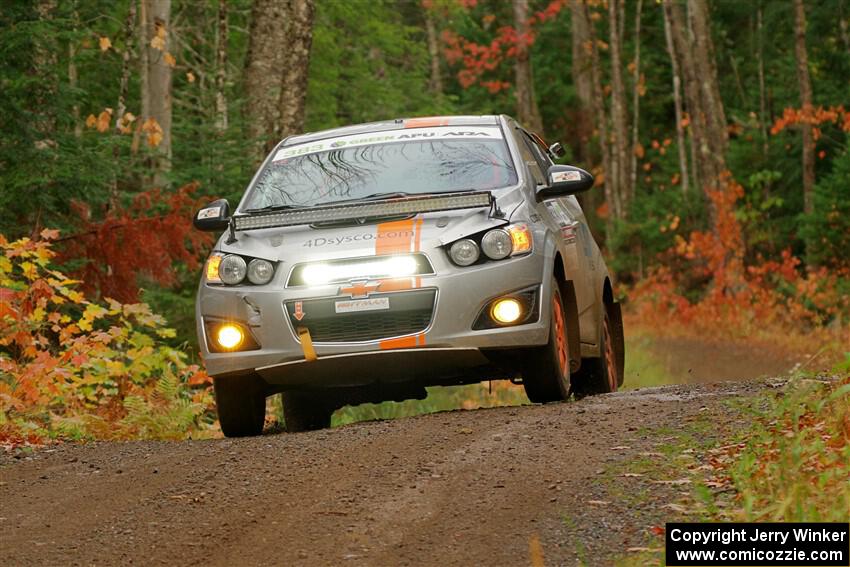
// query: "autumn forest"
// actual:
[[717, 131]]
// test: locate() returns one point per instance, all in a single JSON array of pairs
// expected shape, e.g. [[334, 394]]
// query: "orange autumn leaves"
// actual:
[[101, 368], [124, 125]]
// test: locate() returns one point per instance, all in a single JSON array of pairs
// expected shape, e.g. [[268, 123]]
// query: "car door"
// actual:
[[577, 242]]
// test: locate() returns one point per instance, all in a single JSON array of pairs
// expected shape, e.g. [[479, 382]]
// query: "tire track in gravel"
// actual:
[[454, 488]]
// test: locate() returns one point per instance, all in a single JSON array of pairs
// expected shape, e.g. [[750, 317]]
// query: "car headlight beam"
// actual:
[[373, 268]]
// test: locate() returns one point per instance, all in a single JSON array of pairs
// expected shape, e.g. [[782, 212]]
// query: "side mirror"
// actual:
[[565, 180], [213, 217], [556, 150]]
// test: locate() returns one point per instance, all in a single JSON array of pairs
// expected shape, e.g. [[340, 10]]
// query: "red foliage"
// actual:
[[144, 239], [478, 59]]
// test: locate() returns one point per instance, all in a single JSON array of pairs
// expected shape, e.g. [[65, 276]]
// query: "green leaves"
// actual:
[[100, 369]]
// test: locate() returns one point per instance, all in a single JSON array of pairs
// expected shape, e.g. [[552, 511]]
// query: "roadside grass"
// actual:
[[791, 464]]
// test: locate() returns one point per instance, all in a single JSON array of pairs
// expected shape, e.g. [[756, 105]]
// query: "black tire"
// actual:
[[305, 411], [604, 374], [546, 375], [241, 405]]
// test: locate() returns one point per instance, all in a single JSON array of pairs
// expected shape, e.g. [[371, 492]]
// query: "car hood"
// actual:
[[421, 232]]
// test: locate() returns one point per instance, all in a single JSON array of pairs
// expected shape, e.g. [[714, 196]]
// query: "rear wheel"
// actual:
[[305, 411], [546, 376], [604, 374], [241, 405]]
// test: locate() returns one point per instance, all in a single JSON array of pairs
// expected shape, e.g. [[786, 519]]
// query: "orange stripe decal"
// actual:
[[418, 232], [394, 237], [401, 342], [426, 122]]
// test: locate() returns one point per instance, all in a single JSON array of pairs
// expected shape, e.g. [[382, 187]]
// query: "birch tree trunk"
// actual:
[[266, 40], [527, 112], [293, 87], [221, 69], [601, 119], [635, 102], [681, 144], [156, 85], [762, 98], [620, 161], [435, 82], [806, 102]]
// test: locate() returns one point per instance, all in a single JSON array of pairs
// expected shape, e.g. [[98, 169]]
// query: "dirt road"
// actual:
[[456, 488]]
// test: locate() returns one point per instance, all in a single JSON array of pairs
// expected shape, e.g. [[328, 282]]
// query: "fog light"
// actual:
[[229, 336], [506, 310]]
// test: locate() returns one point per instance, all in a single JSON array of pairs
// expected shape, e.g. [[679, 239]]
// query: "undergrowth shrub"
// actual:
[[796, 465], [75, 368]]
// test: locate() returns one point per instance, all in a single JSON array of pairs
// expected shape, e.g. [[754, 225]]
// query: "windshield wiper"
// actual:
[[268, 208], [372, 197]]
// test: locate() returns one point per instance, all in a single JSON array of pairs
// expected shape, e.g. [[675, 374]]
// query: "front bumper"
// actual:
[[452, 345]]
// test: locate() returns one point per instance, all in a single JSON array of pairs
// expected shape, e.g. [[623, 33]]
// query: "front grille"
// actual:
[[409, 312]]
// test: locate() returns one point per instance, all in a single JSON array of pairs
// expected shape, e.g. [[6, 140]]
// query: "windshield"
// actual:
[[386, 163]]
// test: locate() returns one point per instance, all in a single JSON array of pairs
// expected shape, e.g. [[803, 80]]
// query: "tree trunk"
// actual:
[[762, 98], [635, 102], [121, 107], [677, 103], [707, 143], [73, 74], [266, 40], [703, 49], [600, 117], [435, 82], [583, 81], [44, 66], [156, 84], [806, 102], [527, 112], [221, 69], [620, 161], [293, 88]]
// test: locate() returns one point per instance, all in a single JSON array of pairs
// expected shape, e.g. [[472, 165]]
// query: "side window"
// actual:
[[529, 157], [539, 151]]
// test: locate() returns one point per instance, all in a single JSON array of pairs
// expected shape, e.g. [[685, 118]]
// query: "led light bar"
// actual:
[[345, 211], [373, 267]]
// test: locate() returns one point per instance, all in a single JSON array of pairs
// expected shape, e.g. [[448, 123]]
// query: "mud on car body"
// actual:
[[365, 263]]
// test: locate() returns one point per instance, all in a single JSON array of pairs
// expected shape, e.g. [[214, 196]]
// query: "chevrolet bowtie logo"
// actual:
[[359, 289]]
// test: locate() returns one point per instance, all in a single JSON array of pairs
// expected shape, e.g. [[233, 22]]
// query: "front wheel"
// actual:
[[546, 376], [241, 405]]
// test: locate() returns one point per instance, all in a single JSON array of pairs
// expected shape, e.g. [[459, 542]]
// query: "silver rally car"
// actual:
[[367, 262]]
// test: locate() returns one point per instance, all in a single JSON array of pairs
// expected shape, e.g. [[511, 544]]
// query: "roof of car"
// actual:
[[397, 124]]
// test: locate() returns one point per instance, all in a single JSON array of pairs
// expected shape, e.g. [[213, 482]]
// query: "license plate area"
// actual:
[[361, 305]]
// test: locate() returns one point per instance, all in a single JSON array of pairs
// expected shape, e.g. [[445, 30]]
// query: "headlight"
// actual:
[[260, 271], [464, 252], [496, 244], [232, 269]]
